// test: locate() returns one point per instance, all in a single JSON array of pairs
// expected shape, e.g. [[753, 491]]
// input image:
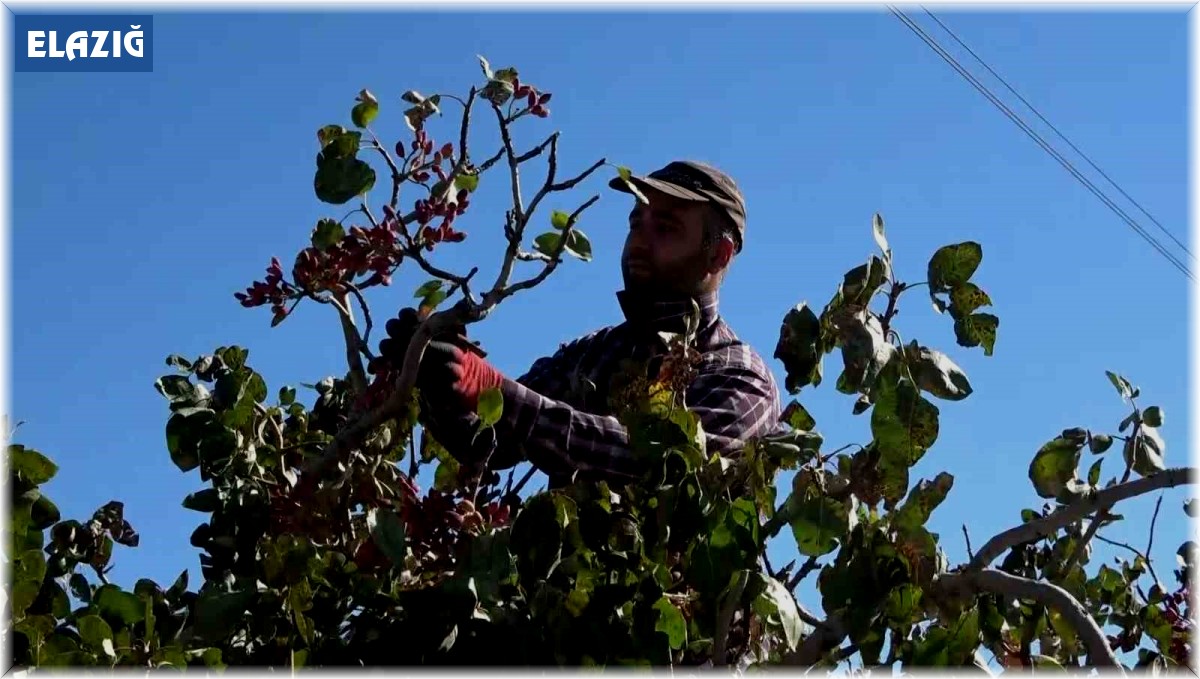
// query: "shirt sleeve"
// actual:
[[734, 401]]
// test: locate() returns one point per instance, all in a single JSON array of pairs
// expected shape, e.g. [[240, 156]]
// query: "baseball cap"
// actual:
[[693, 180]]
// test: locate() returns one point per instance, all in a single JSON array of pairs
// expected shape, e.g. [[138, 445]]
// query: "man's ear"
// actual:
[[721, 256]]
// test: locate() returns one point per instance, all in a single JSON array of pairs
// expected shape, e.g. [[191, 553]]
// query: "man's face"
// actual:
[[664, 249]]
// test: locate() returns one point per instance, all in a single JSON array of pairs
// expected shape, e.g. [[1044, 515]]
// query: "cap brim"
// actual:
[[658, 185]]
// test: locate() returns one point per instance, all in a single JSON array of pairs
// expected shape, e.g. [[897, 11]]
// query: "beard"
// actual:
[[683, 278]]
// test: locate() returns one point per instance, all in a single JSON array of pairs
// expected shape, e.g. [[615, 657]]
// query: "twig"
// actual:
[[893, 296], [809, 566], [397, 176], [1153, 520], [554, 259], [1076, 510], [767, 564], [1101, 516], [1133, 549], [412, 460], [354, 344], [967, 535], [807, 616], [971, 583], [463, 156], [513, 166], [524, 479]]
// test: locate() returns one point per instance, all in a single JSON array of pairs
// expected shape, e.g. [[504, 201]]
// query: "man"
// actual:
[[558, 415]]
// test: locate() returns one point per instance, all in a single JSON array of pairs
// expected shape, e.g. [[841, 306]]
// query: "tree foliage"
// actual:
[[317, 547]]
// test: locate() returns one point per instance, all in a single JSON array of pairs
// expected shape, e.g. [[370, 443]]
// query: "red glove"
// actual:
[[452, 366]]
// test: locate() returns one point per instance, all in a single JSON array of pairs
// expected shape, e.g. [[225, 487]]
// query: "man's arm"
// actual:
[[549, 376], [733, 403]]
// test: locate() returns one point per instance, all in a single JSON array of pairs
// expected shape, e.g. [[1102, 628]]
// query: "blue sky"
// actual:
[[143, 201]]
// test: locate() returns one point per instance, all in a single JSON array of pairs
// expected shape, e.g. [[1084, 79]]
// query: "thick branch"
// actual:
[[1077, 510], [971, 583], [349, 436], [827, 636], [1101, 517]]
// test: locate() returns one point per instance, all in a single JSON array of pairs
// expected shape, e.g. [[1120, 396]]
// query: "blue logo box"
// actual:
[[84, 43]]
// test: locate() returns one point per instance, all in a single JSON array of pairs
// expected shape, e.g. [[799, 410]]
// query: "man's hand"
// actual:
[[453, 371]]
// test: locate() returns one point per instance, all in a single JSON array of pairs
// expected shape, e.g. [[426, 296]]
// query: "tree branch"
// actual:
[[555, 258], [827, 636], [1077, 510], [725, 619], [972, 583]]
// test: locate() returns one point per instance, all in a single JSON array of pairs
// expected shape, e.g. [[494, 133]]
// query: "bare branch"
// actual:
[[513, 170], [554, 259], [567, 185], [967, 536], [487, 164], [463, 156], [809, 566], [972, 583], [1153, 521], [397, 176], [364, 343], [1077, 510], [537, 150]]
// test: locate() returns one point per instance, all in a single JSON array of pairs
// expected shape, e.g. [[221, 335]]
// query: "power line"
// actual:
[[1039, 140], [1056, 131]]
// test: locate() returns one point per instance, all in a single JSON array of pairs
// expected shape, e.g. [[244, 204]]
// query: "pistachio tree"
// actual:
[[318, 547]]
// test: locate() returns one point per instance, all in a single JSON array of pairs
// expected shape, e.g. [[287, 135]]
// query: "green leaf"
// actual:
[[80, 588], [798, 347], [860, 283], [953, 265], [327, 232], [1100, 443], [207, 500], [904, 424], [218, 613], [579, 245], [445, 478], [922, 500], [340, 179], [976, 330], [966, 298], [508, 75], [818, 523], [880, 238], [559, 219], [903, 605], [964, 637], [670, 622], [94, 631], [1124, 388], [30, 464], [469, 182], [777, 607], [865, 351], [797, 417], [935, 373], [1144, 452], [1054, 465], [497, 91], [177, 388], [433, 299], [483, 64], [547, 243], [43, 513], [1152, 416], [1094, 472], [491, 406], [427, 288], [116, 604], [365, 111]]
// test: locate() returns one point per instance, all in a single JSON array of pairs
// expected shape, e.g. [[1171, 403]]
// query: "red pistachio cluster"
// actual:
[[536, 101], [375, 250], [273, 290]]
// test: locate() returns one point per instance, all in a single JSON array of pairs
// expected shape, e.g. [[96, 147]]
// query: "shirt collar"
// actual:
[[667, 313]]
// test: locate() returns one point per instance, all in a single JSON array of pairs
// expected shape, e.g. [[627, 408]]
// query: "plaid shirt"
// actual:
[[558, 416]]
